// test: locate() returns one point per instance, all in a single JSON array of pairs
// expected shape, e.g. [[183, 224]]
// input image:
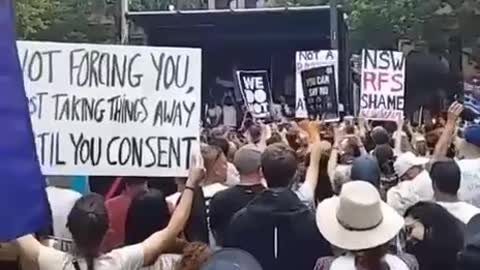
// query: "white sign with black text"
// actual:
[[112, 110], [382, 85]]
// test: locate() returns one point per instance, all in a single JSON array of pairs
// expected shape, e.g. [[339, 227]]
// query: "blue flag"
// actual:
[[23, 207]]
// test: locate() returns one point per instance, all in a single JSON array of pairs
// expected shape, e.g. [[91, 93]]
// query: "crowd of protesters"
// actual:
[[306, 195]]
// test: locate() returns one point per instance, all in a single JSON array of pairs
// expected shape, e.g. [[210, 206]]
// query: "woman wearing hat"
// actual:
[[361, 224]]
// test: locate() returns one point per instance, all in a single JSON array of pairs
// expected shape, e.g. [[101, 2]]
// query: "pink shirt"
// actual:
[[117, 208]]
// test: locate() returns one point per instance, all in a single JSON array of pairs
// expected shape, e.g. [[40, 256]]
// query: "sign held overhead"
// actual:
[[112, 110], [382, 85]]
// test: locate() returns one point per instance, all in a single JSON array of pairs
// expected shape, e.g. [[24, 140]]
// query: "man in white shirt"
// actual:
[[446, 175], [229, 112], [415, 184], [469, 152]]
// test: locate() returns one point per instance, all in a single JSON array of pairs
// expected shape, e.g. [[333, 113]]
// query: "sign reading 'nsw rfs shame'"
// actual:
[[383, 85], [112, 110], [255, 91]]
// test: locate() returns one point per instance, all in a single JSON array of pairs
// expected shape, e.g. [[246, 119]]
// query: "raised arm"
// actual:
[[398, 137], [160, 241], [311, 178], [332, 162], [29, 247], [441, 148]]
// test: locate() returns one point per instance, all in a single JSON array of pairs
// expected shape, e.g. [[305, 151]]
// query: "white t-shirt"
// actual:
[[229, 116], [214, 111], [61, 203], [348, 263], [461, 210], [470, 183], [306, 194], [408, 193], [233, 177], [127, 258], [165, 262]]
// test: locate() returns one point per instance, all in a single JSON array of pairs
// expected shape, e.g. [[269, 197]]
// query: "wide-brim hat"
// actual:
[[358, 219]]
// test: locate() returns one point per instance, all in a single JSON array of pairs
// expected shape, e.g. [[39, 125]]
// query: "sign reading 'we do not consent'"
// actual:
[[382, 85], [256, 92], [112, 110]]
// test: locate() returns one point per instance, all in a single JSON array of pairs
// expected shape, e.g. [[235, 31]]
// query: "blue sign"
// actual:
[[23, 207]]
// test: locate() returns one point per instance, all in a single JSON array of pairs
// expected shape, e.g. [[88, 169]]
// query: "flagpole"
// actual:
[[123, 21], [333, 24]]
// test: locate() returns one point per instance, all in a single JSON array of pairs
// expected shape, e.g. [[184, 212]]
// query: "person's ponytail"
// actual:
[[372, 259], [88, 222], [90, 262]]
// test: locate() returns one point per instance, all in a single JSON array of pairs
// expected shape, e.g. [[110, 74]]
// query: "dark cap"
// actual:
[[231, 259], [365, 168], [472, 135], [380, 135]]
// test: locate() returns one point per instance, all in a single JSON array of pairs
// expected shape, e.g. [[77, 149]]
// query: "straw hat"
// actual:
[[358, 219]]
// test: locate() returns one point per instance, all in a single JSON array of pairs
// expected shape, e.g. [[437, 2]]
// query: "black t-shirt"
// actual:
[[226, 203]]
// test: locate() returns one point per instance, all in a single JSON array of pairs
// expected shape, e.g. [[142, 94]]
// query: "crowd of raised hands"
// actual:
[[344, 175]]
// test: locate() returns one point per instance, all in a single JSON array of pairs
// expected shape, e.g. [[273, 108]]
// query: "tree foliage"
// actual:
[[373, 23], [379, 23], [34, 16], [65, 20]]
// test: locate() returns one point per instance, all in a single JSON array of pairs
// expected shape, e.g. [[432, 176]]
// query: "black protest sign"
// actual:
[[319, 90], [256, 92]]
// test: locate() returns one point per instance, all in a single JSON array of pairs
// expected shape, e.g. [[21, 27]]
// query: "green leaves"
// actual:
[[34, 15], [380, 23], [62, 20]]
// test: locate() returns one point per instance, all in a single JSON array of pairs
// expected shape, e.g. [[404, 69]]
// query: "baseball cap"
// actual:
[[472, 135], [406, 161], [247, 159], [231, 259], [365, 168]]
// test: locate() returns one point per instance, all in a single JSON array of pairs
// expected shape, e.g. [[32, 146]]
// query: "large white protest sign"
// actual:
[[112, 110], [306, 60], [382, 85]]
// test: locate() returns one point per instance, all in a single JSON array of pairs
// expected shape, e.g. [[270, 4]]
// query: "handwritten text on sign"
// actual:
[[306, 60], [256, 91], [112, 110], [383, 85]]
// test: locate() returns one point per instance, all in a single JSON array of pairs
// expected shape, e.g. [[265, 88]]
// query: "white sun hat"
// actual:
[[406, 161], [358, 219]]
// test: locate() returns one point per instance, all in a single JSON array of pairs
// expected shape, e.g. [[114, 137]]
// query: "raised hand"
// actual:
[[454, 112], [197, 171]]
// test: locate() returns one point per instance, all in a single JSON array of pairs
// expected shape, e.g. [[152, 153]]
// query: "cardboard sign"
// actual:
[[382, 85], [306, 60], [113, 110], [256, 92], [319, 91]]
